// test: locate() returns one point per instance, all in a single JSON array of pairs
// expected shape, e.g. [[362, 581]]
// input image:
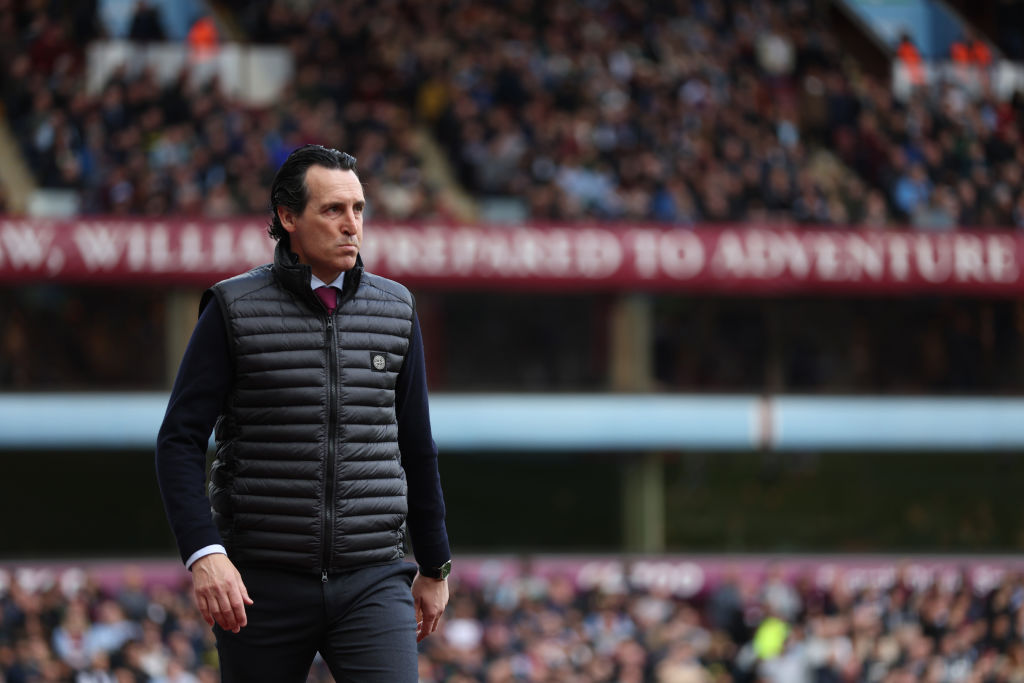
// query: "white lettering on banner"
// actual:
[[401, 251], [761, 254], [55, 262], [934, 261], [683, 579], [99, 245], [369, 249], [528, 247], [866, 256], [609, 576], [919, 577], [860, 578], [465, 242], [598, 253], [795, 254], [1002, 258], [682, 254], [434, 254], [768, 255], [987, 578], [645, 252], [254, 248], [728, 260], [968, 261], [641, 255], [222, 250], [414, 251], [560, 253], [522, 252], [191, 248], [765, 258], [159, 249], [899, 258], [495, 257], [826, 257], [138, 235], [25, 246]]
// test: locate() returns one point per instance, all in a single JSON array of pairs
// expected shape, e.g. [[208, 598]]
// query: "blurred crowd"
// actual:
[[773, 630], [139, 146], [682, 112]]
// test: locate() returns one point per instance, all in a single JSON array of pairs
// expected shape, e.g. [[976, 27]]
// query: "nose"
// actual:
[[350, 221]]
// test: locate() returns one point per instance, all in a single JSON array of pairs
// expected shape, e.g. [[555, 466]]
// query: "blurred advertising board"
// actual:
[[747, 259], [683, 576]]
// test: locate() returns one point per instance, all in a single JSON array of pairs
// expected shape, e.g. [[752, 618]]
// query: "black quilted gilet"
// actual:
[[308, 474]]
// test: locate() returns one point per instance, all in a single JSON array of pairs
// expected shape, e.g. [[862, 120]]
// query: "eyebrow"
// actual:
[[331, 204]]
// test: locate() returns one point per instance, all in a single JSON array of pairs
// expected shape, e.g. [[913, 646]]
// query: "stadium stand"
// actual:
[[139, 148], [714, 112], [684, 114], [775, 628], [640, 123]]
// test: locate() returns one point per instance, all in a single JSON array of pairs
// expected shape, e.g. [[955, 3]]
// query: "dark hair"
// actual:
[[289, 188]]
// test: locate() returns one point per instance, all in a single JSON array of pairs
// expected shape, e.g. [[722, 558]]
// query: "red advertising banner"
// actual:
[[747, 259]]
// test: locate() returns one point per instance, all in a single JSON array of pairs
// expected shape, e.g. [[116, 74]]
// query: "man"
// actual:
[[313, 371]]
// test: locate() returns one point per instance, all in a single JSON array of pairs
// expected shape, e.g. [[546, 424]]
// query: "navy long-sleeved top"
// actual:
[[198, 398]]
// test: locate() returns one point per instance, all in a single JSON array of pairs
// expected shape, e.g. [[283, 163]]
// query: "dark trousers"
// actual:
[[362, 622]]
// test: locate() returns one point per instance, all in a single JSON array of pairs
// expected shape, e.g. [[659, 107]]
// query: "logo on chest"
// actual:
[[378, 361]]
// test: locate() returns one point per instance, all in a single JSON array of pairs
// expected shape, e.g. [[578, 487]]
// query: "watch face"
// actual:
[[446, 569]]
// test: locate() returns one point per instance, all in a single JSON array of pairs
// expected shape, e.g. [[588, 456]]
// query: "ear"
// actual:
[[287, 218]]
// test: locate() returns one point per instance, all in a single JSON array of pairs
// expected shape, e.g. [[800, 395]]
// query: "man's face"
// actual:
[[328, 233]]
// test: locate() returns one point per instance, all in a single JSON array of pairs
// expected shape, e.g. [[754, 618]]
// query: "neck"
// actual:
[[327, 277]]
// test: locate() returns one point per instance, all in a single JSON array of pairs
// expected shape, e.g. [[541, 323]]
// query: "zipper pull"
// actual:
[[323, 576]]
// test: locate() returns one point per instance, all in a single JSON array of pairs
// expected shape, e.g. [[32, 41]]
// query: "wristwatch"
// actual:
[[441, 572]]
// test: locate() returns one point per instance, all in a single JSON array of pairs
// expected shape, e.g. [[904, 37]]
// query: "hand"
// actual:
[[431, 597], [219, 592]]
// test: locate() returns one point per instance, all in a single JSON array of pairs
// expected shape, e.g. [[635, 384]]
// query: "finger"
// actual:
[[245, 594], [225, 617], [426, 626], [426, 629], [434, 618], [204, 609], [237, 608]]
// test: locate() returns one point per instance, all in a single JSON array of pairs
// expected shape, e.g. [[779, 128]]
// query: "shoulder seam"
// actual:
[[253, 291], [393, 295], [239, 281]]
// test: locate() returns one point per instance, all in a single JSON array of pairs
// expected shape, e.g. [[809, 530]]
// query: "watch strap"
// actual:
[[436, 572]]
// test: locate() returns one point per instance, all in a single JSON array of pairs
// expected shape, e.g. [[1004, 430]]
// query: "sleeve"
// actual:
[[419, 458], [197, 399]]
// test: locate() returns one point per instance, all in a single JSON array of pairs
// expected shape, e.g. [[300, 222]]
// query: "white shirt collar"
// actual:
[[315, 282]]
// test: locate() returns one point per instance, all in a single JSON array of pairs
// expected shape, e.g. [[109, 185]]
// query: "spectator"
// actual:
[[548, 629], [147, 24], [912, 190], [713, 116], [910, 57]]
